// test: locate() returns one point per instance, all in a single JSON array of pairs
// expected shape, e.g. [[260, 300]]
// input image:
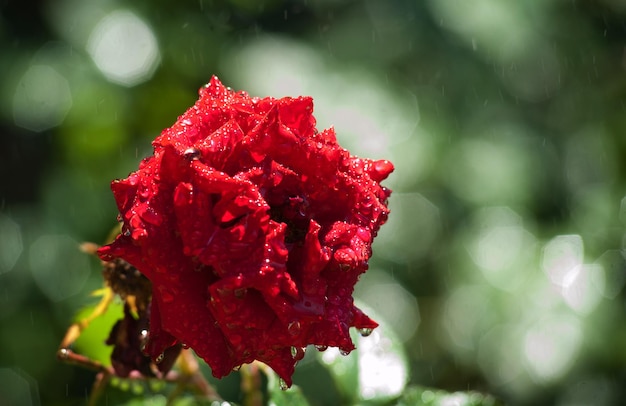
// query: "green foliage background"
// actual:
[[502, 267]]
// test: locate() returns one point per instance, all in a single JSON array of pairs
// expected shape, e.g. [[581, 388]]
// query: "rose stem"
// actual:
[[190, 373], [251, 385]]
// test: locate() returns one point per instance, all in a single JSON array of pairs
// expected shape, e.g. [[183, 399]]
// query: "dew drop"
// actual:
[[236, 368], [294, 328], [152, 217], [143, 337], [126, 233], [321, 348], [344, 352], [363, 234], [138, 234], [364, 332], [297, 353], [119, 218], [63, 353], [283, 385], [160, 358], [191, 154]]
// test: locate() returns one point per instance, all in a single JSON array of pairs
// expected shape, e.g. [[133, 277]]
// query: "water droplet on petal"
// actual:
[[152, 217], [144, 192], [191, 154], [364, 332], [283, 385], [138, 234], [343, 352], [297, 353], [159, 358], [294, 328], [143, 339], [321, 348], [236, 368], [363, 234]]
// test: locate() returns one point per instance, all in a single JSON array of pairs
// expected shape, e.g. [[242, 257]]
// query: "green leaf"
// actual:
[[123, 392], [281, 397], [155, 400], [376, 372], [422, 396], [152, 392], [91, 341]]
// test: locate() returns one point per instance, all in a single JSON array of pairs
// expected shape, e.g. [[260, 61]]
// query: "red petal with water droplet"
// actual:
[[253, 229]]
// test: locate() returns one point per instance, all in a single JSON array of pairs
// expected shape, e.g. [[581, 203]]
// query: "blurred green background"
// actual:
[[502, 266]]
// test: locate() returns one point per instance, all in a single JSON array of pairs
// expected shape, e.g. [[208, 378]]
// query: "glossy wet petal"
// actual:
[[253, 228]]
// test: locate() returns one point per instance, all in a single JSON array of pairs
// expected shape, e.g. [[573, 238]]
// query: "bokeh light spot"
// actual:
[[124, 48], [580, 292], [392, 302], [551, 346], [59, 268], [501, 247], [611, 281], [465, 315], [42, 99], [498, 29], [488, 171], [561, 256], [382, 372]]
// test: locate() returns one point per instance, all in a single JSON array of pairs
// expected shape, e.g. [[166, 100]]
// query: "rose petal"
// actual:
[[253, 229]]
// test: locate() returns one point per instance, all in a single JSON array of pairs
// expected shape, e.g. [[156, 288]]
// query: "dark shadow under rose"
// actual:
[[253, 228]]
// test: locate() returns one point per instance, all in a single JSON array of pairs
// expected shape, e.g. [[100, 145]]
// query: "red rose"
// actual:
[[253, 229]]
